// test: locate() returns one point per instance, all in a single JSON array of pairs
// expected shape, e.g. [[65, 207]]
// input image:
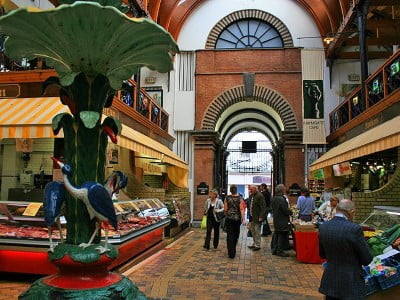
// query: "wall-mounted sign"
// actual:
[[10, 90], [150, 79], [24, 145], [202, 189], [353, 77]]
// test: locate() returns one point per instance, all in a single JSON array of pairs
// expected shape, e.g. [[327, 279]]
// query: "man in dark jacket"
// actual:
[[342, 243], [257, 216], [266, 231], [281, 213]]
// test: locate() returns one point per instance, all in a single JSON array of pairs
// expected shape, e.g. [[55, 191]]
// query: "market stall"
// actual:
[[307, 243], [24, 237], [382, 231]]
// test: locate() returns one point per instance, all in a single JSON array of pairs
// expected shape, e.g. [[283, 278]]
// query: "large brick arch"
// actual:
[[261, 94], [246, 14]]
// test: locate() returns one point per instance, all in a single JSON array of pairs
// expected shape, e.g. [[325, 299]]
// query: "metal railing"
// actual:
[[379, 86], [144, 104]]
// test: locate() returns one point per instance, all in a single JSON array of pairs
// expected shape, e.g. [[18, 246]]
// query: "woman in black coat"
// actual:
[[281, 216]]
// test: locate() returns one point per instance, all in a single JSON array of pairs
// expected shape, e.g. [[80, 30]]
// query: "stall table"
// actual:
[[307, 246]]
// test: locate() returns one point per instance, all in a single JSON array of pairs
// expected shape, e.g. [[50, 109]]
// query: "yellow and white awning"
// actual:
[[31, 118], [382, 137]]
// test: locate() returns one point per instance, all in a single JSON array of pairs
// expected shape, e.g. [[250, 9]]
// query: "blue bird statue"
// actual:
[[97, 200], [54, 195], [116, 181]]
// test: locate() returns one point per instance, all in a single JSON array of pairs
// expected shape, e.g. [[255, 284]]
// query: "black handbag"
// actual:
[[220, 216]]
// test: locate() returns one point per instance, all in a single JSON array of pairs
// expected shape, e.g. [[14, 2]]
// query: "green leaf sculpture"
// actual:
[[109, 43]]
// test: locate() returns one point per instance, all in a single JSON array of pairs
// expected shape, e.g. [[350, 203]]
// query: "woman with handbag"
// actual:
[[212, 207], [234, 210]]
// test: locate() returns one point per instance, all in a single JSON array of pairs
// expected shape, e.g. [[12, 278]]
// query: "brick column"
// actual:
[[204, 167]]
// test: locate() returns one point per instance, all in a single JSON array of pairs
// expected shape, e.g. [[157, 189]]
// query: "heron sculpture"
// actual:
[[54, 195], [97, 200], [116, 181]]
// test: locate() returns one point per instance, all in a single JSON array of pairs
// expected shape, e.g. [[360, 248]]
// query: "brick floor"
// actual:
[[184, 270]]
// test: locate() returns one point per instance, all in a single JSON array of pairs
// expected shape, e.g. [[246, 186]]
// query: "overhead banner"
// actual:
[[313, 112]]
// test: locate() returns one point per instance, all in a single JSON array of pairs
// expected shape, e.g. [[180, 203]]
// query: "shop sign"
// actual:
[[202, 188], [342, 169], [10, 90], [318, 174], [24, 145]]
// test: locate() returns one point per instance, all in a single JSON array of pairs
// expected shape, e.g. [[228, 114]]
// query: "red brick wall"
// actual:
[[218, 71], [203, 172]]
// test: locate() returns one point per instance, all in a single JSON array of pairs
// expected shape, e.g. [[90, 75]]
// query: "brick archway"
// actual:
[[246, 14], [261, 94]]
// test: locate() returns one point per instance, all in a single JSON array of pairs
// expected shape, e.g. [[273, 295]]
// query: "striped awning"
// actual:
[[136, 141], [379, 138], [31, 118]]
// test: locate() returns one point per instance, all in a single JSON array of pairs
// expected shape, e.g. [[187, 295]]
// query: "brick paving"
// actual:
[[184, 270]]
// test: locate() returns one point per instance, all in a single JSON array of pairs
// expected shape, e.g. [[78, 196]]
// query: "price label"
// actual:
[[32, 209], [118, 207]]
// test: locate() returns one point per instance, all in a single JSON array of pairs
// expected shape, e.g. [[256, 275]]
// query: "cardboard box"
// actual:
[[306, 227]]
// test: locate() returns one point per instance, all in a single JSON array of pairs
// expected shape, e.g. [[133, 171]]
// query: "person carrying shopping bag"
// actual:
[[212, 206]]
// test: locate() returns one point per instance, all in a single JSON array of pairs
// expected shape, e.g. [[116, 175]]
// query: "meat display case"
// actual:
[[24, 236]]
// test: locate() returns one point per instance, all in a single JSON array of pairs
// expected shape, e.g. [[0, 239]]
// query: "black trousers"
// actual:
[[232, 235], [279, 242], [266, 230], [212, 224]]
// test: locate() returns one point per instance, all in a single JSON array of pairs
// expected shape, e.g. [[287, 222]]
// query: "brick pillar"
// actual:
[[293, 152], [204, 168]]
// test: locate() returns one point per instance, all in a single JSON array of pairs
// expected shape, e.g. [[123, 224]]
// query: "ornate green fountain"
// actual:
[[94, 47]]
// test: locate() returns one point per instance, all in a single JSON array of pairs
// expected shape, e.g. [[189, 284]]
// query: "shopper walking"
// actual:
[[266, 231], [257, 216], [211, 207], [281, 213], [342, 243], [234, 207], [306, 205]]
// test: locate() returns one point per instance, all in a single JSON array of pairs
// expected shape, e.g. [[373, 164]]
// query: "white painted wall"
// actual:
[[195, 31]]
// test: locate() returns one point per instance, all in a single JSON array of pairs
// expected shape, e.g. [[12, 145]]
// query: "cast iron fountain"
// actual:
[[93, 46]]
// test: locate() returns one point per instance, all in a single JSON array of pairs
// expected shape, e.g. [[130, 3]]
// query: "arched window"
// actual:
[[249, 33]]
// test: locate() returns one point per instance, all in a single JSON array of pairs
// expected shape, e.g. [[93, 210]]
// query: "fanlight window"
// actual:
[[249, 33]]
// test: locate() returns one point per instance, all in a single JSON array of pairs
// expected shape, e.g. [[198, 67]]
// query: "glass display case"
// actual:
[[24, 239], [383, 217], [179, 210], [23, 222]]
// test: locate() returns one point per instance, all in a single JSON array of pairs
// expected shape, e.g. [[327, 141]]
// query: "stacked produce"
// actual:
[[379, 241]]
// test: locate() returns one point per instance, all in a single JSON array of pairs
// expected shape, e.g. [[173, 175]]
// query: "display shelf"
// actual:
[[179, 210], [141, 225], [316, 186], [383, 217]]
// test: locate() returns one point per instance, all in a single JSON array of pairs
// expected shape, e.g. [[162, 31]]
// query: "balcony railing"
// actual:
[[143, 104], [379, 86]]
